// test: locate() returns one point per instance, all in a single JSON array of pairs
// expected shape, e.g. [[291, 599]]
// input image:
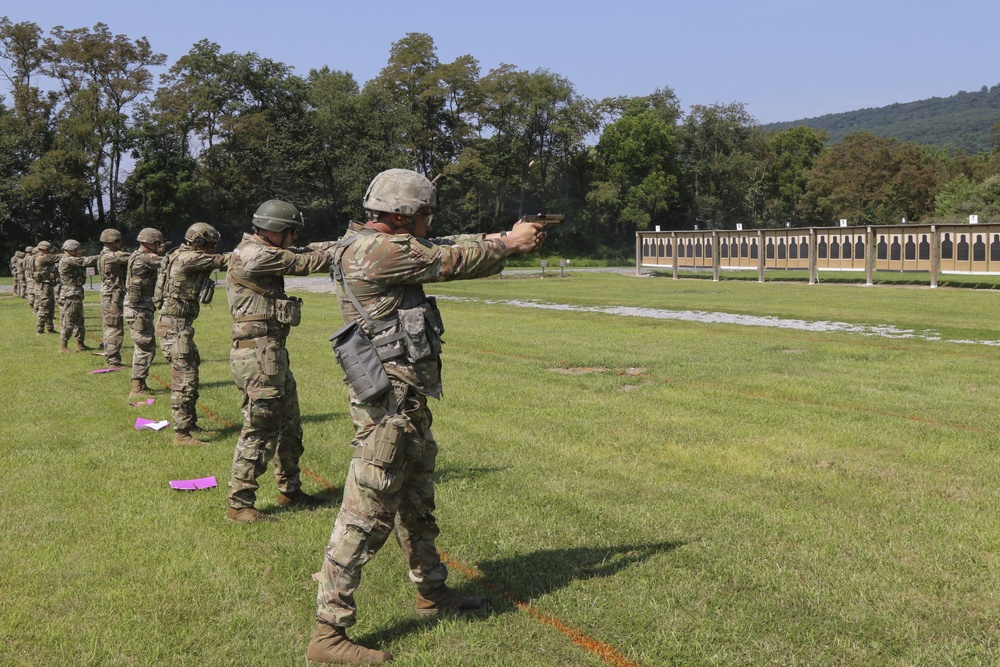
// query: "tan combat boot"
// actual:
[[63, 347], [139, 390], [330, 646], [82, 347], [184, 437], [249, 515], [299, 498], [443, 599]]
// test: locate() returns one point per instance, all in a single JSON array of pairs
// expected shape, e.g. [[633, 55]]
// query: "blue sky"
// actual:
[[784, 60]]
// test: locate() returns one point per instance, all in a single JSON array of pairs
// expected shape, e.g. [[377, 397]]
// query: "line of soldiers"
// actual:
[[378, 268]]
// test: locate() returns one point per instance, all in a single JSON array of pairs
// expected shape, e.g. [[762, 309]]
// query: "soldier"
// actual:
[[112, 264], [17, 272], [45, 272], [262, 319], [184, 284], [29, 276], [140, 283], [379, 269], [72, 277]]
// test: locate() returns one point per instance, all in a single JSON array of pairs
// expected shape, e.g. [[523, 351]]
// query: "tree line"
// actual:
[[91, 140]]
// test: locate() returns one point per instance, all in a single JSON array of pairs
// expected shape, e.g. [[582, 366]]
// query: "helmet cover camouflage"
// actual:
[[69, 245], [399, 191], [202, 234], [111, 236], [150, 236], [44, 245]]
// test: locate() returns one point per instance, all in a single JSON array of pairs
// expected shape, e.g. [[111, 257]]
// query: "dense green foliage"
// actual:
[[962, 122], [90, 139]]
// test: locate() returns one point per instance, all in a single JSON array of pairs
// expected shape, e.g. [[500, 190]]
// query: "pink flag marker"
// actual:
[[148, 424], [148, 401], [193, 484], [106, 370]]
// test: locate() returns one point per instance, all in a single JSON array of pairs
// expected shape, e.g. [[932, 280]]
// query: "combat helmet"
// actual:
[[399, 191], [202, 234], [69, 245], [44, 245], [111, 236], [19, 254], [150, 236], [276, 215], [29, 249]]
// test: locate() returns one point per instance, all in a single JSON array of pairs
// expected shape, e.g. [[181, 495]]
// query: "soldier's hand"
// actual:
[[524, 237]]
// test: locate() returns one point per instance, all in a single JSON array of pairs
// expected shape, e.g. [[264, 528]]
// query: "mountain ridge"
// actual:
[[962, 122]]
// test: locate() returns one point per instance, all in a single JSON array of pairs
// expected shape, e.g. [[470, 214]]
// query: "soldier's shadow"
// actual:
[[508, 581]]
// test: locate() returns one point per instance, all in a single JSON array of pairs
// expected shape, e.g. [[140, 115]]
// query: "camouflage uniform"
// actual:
[[72, 278], [17, 271], [140, 282], [385, 272], [184, 273], [113, 265], [29, 277], [272, 427], [46, 275]]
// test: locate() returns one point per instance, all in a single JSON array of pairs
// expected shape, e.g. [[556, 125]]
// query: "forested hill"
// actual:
[[963, 121]]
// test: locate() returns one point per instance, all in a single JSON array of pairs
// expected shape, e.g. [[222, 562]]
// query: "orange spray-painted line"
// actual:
[[604, 651]]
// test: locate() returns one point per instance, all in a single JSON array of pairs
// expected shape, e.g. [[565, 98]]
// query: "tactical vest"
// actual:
[[412, 330], [138, 286], [196, 288], [111, 277]]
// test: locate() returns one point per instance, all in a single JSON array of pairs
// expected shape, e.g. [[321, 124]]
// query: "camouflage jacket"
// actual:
[[385, 272], [255, 282], [185, 273], [45, 268], [140, 279], [73, 275], [17, 265], [29, 269], [112, 265]]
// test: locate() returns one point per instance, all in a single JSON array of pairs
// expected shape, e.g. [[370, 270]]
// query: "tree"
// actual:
[[791, 153], [870, 180], [101, 75], [721, 147], [639, 167]]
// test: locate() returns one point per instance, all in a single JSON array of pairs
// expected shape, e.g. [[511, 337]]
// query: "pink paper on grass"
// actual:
[[106, 370], [148, 424], [193, 484]]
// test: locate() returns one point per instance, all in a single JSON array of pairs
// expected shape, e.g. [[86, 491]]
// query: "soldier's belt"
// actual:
[[255, 342], [251, 318]]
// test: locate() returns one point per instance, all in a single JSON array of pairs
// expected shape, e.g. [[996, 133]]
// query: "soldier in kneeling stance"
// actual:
[[379, 269]]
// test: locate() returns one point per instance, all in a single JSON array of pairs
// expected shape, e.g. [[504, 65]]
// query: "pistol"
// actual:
[[545, 219]]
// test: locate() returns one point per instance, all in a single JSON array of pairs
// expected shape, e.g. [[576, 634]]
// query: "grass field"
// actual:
[[629, 491]]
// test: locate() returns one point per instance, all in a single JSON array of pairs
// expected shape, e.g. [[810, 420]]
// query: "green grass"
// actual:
[[685, 493]]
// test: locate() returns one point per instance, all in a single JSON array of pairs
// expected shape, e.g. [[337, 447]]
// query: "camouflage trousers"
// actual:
[[379, 498], [29, 291], [45, 307], [113, 324], [140, 324], [71, 319], [176, 338], [272, 424]]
